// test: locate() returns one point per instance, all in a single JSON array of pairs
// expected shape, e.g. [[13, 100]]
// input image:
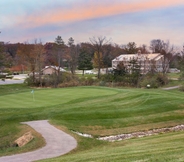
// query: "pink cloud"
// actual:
[[91, 10]]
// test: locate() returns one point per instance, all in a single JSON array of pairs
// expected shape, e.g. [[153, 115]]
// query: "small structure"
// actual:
[[23, 140], [48, 70], [147, 62]]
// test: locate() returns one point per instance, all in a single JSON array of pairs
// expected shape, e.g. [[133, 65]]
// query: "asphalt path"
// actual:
[[169, 88], [57, 143], [17, 79]]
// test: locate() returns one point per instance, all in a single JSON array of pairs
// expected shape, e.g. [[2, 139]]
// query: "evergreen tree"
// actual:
[[84, 61], [72, 55]]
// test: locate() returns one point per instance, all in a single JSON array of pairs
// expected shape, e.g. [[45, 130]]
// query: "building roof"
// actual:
[[53, 67], [127, 57]]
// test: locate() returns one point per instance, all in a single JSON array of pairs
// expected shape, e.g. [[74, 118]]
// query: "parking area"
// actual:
[[17, 79], [11, 81]]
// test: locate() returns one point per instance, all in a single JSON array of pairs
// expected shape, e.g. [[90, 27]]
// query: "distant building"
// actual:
[[18, 69], [48, 70], [147, 62]]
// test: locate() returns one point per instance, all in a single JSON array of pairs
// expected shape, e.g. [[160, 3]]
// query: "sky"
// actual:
[[121, 21]]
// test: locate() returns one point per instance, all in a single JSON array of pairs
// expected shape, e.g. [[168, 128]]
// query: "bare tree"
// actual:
[[182, 59], [165, 49], [98, 44], [143, 49], [156, 45], [131, 48], [39, 54], [168, 51]]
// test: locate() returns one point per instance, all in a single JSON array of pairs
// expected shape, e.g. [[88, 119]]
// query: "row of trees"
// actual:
[[97, 53], [83, 56]]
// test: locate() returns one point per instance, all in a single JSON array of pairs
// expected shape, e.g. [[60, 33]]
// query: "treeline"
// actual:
[[97, 53]]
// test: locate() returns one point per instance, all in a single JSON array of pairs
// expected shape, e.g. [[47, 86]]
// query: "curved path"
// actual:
[[169, 88], [57, 143]]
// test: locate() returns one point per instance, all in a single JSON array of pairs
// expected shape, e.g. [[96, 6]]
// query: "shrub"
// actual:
[[65, 79], [2, 76], [181, 88], [72, 83], [9, 77], [149, 81], [102, 83], [181, 76], [162, 79], [29, 81], [107, 77], [87, 81], [155, 81], [68, 77]]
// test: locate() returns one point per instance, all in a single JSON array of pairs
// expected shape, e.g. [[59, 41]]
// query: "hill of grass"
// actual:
[[98, 111]]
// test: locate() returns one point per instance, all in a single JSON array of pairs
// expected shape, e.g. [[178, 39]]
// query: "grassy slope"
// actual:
[[99, 111], [160, 148]]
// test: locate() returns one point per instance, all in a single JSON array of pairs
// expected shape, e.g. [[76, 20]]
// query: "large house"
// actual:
[[147, 62]]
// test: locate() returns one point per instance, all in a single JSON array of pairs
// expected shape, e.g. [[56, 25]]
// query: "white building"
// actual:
[[147, 62]]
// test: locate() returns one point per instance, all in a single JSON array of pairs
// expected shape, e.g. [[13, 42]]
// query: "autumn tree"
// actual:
[[98, 44], [1, 55], [98, 60], [31, 55], [181, 62], [11, 49], [117, 50], [49, 60], [25, 53], [6, 59]]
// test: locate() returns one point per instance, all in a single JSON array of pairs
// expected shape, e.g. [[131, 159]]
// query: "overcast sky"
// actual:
[[122, 21]]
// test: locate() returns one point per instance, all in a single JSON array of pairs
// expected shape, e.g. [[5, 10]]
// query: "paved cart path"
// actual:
[[169, 88], [57, 143]]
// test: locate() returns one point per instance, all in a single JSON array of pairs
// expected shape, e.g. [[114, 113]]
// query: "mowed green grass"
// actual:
[[49, 97], [99, 111]]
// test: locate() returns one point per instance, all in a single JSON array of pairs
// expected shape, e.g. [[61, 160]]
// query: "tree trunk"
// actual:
[[98, 72]]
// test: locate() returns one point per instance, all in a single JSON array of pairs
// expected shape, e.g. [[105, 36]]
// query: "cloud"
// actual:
[[121, 20], [91, 10]]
